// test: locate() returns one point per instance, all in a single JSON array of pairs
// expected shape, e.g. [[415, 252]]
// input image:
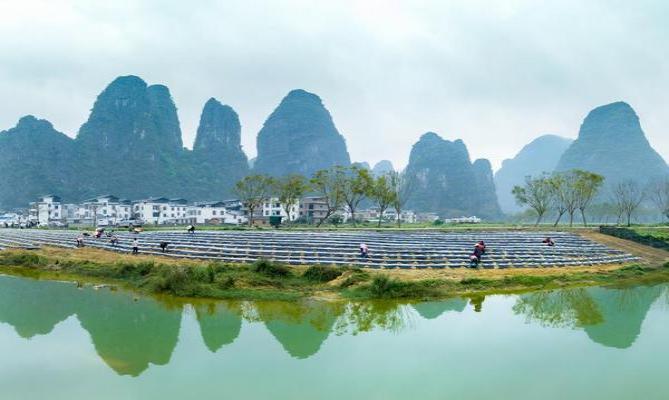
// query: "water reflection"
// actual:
[[611, 317], [220, 323], [130, 333]]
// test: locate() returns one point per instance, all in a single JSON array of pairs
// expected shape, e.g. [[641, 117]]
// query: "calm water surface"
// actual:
[[60, 342]]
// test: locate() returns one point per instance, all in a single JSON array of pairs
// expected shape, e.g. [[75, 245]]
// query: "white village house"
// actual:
[[47, 209], [161, 210], [101, 210], [273, 208], [215, 213]]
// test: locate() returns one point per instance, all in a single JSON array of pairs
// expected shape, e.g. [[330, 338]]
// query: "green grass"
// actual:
[[270, 280]]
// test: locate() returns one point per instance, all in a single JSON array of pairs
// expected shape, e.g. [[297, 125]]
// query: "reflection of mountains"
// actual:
[[220, 323], [130, 334], [433, 309], [611, 317], [301, 328], [127, 334]]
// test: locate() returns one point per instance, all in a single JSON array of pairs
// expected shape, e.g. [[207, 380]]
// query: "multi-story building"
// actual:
[[215, 213], [48, 209], [313, 209], [103, 210], [273, 208], [161, 210]]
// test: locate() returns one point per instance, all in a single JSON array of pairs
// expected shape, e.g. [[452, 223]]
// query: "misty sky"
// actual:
[[496, 74]]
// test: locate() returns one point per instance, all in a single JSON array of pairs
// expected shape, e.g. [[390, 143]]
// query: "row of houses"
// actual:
[[109, 210]]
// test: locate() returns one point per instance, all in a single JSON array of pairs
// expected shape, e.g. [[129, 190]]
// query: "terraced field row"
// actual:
[[387, 249]]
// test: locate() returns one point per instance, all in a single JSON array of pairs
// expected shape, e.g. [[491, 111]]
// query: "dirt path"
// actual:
[[651, 255]]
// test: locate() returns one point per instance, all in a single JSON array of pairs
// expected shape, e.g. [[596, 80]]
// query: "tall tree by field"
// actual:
[[382, 194], [402, 185], [659, 195], [357, 186], [559, 195], [627, 196], [253, 191], [328, 184], [289, 190], [536, 194], [587, 185]]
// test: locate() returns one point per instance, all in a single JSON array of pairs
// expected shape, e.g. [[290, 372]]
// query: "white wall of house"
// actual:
[[216, 212], [47, 209], [272, 207], [105, 210], [162, 212]]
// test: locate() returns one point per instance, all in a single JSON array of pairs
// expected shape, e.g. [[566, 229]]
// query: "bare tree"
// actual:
[[402, 185], [328, 183], [587, 185], [536, 194], [627, 197], [659, 195], [559, 196], [253, 191]]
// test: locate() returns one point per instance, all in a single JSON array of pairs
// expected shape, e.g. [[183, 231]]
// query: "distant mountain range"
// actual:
[[540, 155], [131, 146], [610, 142]]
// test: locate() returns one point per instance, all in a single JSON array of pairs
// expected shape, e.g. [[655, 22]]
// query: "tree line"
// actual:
[[339, 188], [573, 192]]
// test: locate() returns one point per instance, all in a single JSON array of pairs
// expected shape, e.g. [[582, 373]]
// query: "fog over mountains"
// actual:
[[131, 146]]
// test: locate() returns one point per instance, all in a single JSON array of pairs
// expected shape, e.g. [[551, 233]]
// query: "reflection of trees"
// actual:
[[302, 327], [365, 316], [559, 308], [611, 317], [220, 323]]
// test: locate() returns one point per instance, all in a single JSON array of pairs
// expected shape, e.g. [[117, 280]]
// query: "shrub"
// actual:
[[20, 259], [172, 279], [269, 268], [129, 269], [320, 273], [226, 283]]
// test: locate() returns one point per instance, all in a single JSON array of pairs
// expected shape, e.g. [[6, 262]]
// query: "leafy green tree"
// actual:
[[289, 190], [382, 194], [328, 184], [402, 185], [536, 194], [253, 191], [358, 185]]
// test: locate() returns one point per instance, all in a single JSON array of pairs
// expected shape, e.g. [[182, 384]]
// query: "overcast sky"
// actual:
[[496, 74]]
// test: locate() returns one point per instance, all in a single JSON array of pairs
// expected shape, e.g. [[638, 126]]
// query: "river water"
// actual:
[[61, 342]]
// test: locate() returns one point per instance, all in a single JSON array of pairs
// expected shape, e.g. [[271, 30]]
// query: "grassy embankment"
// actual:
[[268, 280]]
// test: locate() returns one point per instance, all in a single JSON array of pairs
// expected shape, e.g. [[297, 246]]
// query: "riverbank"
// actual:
[[265, 280]]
